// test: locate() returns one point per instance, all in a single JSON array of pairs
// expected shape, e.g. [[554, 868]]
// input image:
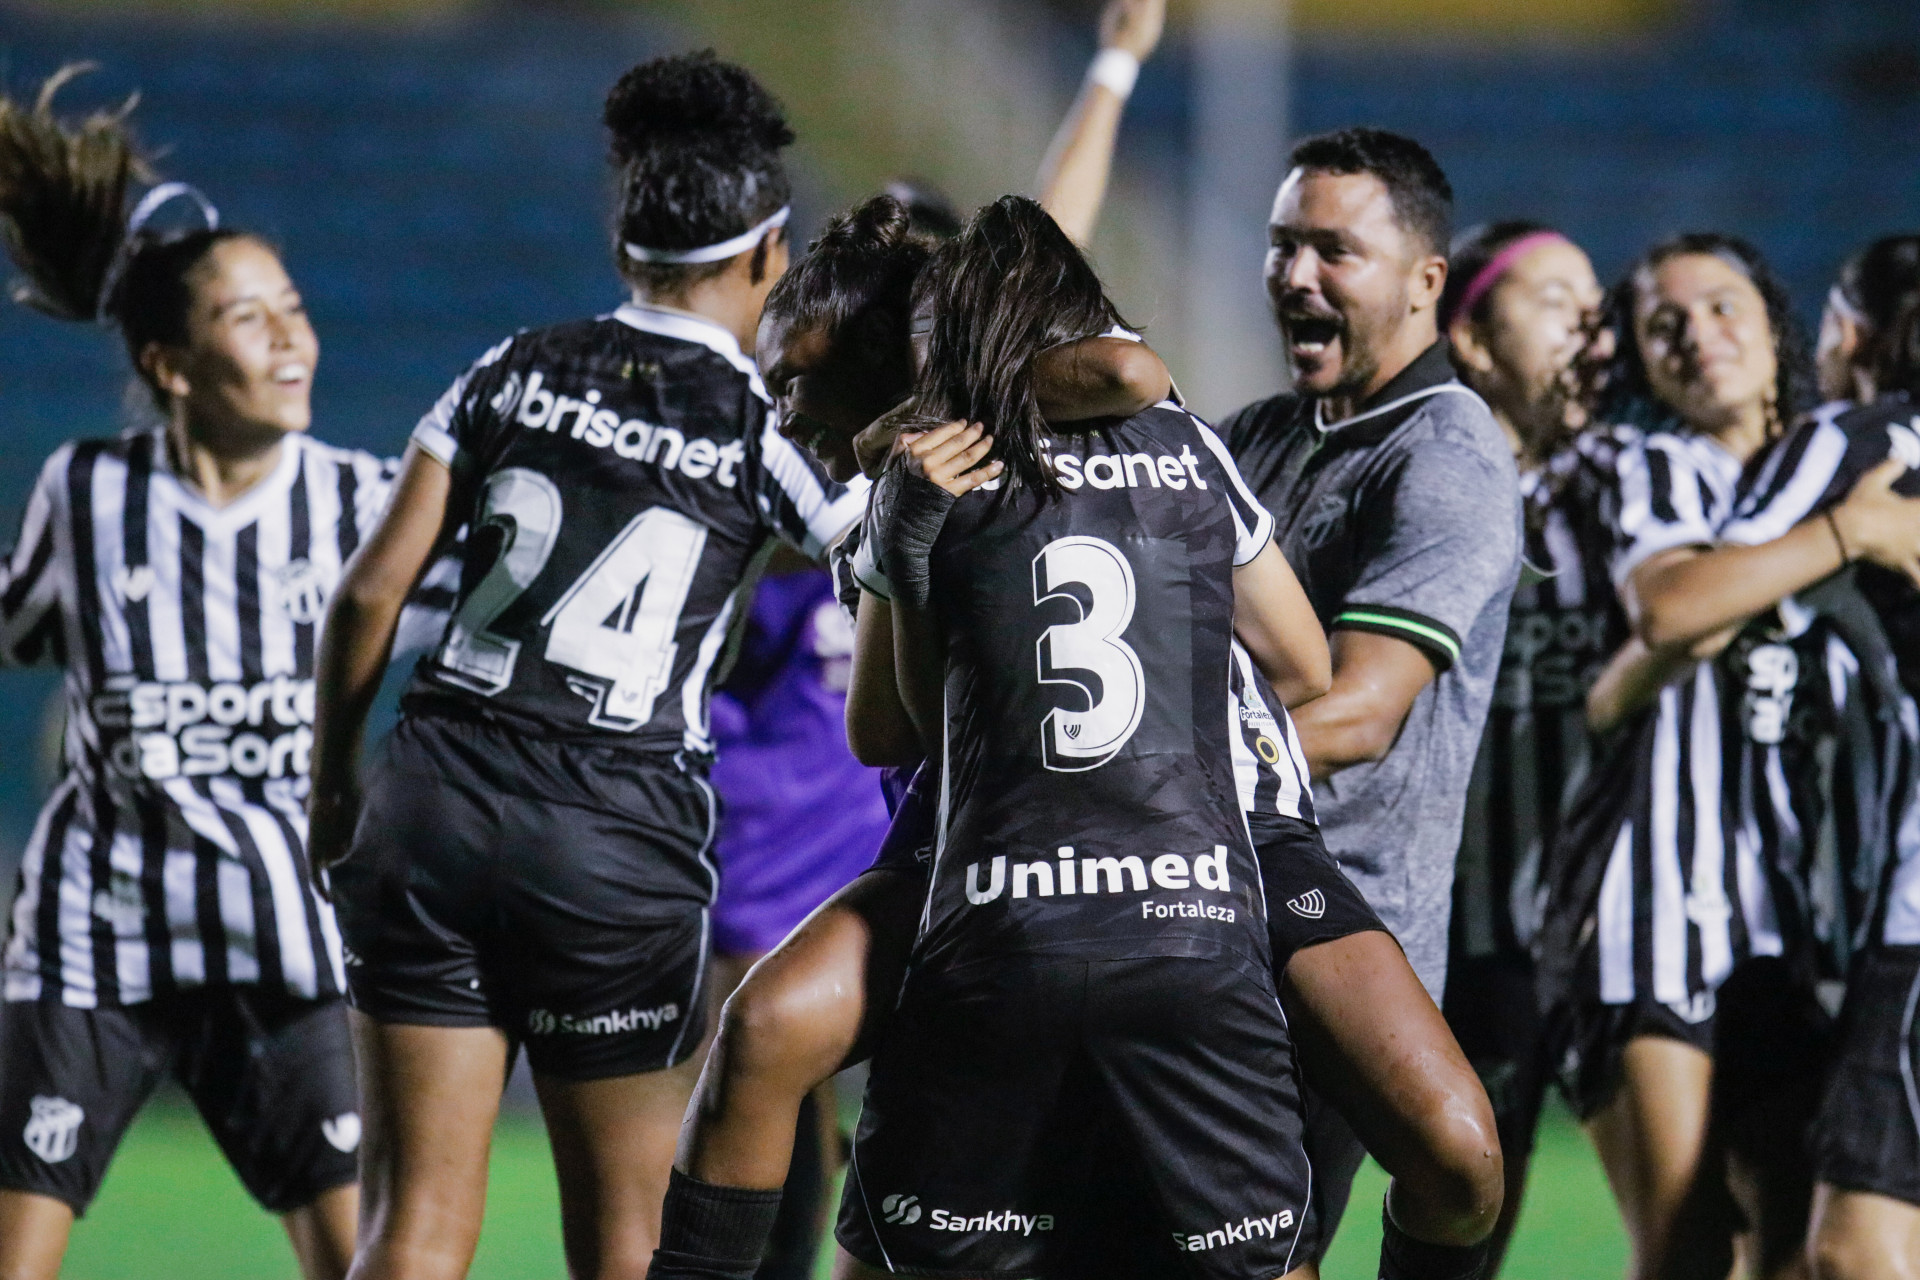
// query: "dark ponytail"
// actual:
[[864, 263], [63, 210], [696, 142], [1881, 284], [1008, 287]]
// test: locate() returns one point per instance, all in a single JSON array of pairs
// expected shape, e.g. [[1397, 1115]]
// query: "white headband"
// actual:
[[713, 252], [137, 221]]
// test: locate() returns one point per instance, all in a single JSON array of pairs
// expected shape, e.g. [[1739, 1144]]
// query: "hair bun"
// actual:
[[691, 98]]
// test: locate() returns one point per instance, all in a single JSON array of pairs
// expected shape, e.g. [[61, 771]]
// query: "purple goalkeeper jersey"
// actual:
[[800, 816]]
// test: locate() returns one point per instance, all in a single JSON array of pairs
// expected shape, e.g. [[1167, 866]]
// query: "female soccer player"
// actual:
[[1839, 492], [533, 862], [1068, 975], [1517, 308], [165, 923], [1672, 952]]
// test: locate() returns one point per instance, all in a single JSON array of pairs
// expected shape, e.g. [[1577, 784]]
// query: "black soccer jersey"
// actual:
[[1565, 622], [616, 475], [1088, 803], [171, 854], [1871, 783]]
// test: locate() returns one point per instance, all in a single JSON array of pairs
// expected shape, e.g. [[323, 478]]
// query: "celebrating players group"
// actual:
[[1527, 695]]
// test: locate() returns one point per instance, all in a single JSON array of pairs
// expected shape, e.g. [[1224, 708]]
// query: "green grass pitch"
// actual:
[[171, 1210]]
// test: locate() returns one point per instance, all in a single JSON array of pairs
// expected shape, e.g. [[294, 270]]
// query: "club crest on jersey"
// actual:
[[301, 592], [133, 582], [53, 1131]]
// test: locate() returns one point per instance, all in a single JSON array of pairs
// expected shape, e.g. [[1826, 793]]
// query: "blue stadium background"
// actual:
[[435, 187]]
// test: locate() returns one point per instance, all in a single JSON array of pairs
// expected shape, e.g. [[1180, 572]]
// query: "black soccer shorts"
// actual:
[[1004, 1097], [1868, 1134], [1309, 899], [556, 890], [272, 1076]]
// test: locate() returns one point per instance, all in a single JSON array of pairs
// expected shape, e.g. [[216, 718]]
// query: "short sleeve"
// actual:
[[1661, 506], [30, 577], [798, 501], [1445, 539], [1252, 523], [465, 410]]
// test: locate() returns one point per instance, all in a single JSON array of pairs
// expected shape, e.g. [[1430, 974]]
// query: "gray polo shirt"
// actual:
[[1404, 520]]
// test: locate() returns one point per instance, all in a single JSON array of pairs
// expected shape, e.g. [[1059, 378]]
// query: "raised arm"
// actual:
[[1073, 177], [355, 644]]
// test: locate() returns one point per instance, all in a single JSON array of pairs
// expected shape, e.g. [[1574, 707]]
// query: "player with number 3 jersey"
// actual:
[[532, 863], [1091, 982]]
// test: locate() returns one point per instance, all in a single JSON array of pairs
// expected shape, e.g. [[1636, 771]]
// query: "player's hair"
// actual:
[[932, 212], [1422, 197], [1882, 284], [1469, 255], [1620, 390], [63, 209], [696, 143], [1010, 286], [863, 263]]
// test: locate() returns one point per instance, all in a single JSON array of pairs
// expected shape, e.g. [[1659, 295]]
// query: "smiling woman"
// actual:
[[166, 922]]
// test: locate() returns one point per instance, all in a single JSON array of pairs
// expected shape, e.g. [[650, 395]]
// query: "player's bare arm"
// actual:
[[1274, 621], [357, 641], [1073, 177]]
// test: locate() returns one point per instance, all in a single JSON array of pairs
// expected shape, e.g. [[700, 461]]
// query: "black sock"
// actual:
[[795, 1241], [1404, 1258], [712, 1233]]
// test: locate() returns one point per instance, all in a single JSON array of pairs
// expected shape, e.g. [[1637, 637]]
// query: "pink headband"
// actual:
[[1497, 266]]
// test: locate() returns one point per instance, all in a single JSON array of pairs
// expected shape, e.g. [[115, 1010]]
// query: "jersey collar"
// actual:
[[244, 509], [696, 329], [1431, 372]]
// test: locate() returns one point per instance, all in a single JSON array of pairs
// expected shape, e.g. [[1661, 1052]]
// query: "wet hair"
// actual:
[[1621, 393], [1882, 284], [1010, 286], [1469, 255], [863, 263], [696, 143], [63, 210], [929, 208], [1421, 195]]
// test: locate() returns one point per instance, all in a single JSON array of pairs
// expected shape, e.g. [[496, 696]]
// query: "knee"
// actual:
[[1464, 1184], [772, 1025]]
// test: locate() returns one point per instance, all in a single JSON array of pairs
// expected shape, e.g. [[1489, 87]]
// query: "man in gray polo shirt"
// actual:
[[1399, 508]]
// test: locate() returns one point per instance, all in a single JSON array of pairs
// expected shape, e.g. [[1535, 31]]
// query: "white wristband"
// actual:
[[1115, 69]]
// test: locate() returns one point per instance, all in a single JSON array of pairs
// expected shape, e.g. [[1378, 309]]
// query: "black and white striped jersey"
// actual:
[[1684, 887], [1563, 625], [617, 476], [171, 854], [1866, 849]]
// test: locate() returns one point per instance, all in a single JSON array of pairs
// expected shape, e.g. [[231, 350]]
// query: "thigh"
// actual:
[[429, 1097], [273, 1078], [613, 1141], [71, 1081], [1194, 1059], [963, 1159], [1859, 1235]]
